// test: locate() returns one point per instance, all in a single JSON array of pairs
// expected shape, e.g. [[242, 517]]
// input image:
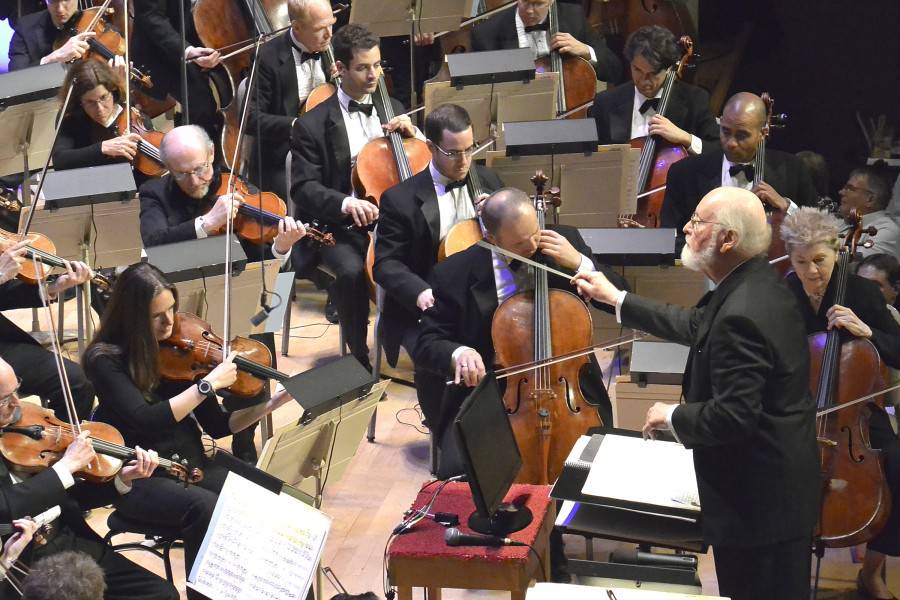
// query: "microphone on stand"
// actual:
[[455, 537], [263, 314]]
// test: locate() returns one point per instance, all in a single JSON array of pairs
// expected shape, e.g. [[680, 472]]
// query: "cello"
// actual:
[[775, 217], [546, 407], [323, 92], [657, 155], [856, 500], [466, 232]]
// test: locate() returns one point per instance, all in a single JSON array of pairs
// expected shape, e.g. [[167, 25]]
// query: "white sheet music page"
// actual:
[[259, 545], [646, 471]]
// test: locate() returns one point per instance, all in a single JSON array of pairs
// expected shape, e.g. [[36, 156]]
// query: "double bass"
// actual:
[[546, 407], [856, 500], [657, 155]]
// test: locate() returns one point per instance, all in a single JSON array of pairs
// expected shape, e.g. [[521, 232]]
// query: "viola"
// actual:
[[657, 155], [856, 500], [193, 350], [546, 407], [148, 160], [43, 251], [36, 440]]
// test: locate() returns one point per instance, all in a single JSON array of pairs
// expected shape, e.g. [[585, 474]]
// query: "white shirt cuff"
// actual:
[[282, 257], [593, 54], [344, 204], [64, 476], [586, 265], [121, 487], [619, 300], [198, 227], [187, 51], [696, 146], [456, 354], [669, 414], [792, 208]]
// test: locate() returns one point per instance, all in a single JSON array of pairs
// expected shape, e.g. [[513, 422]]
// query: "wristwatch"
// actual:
[[205, 388]]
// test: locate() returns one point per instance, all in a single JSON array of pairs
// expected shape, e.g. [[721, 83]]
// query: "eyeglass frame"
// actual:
[[7, 399], [99, 102], [197, 172], [457, 154], [695, 220], [852, 188]]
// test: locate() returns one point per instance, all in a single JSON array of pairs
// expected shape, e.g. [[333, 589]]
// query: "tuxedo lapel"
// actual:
[[509, 37], [288, 74], [428, 204], [484, 288], [336, 137], [710, 176], [620, 116]]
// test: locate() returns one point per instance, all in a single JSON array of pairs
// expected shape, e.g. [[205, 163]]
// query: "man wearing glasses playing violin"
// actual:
[[55, 490]]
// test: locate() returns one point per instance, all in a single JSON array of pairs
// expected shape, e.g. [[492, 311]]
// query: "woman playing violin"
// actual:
[[811, 239], [122, 363]]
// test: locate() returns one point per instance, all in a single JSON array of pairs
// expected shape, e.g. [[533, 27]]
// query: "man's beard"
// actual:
[[697, 261], [199, 193]]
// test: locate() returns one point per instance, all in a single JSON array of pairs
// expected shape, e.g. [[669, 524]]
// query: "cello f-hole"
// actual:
[[570, 396]]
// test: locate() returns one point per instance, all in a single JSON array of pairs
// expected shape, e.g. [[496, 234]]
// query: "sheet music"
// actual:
[[646, 471], [259, 545]]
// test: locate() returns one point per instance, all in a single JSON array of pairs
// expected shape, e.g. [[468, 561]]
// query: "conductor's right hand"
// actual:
[[469, 368], [595, 286], [363, 212], [224, 374], [79, 453], [218, 214], [124, 146]]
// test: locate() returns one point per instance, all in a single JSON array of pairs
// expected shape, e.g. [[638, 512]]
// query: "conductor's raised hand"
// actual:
[[595, 286], [656, 420]]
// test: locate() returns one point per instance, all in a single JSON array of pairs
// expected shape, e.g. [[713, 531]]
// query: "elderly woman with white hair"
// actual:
[[811, 238]]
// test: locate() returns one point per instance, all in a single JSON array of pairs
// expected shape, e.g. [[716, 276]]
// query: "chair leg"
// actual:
[[167, 562], [286, 325], [370, 433]]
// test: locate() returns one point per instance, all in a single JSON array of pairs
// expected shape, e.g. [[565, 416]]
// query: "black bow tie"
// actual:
[[648, 104], [748, 170], [355, 106], [304, 55], [545, 26], [453, 185]]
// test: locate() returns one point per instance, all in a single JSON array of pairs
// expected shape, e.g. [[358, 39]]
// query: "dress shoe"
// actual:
[[331, 313]]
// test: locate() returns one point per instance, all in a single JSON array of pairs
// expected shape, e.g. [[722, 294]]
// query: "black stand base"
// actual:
[[506, 520]]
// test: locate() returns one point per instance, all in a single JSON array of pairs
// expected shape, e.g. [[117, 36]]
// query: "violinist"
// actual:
[[32, 43], [35, 365], [324, 145], [88, 135], [748, 414], [787, 186], [528, 27], [629, 110], [122, 362], [811, 238], [55, 489], [288, 69], [416, 215], [867, 191], [468, 286]]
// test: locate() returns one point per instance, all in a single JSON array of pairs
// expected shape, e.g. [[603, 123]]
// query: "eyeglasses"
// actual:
[[457, 154], [14, 395], [695, 221], [853, 188], [98, 102], [198, 172]]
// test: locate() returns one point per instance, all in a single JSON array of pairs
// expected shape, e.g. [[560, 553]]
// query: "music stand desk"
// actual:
[[421, 558]]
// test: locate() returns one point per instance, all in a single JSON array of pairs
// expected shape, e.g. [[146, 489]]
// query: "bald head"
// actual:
[[747, 105], [7, 376], [185, 143], [740, 128], [505, 206], [741, 212]]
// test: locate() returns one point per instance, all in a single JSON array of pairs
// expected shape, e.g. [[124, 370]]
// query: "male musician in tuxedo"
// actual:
[[416, 216], [748, 414], [32, 42], [183, 205], [629, 110], [528, 27], [468, 286], [35, 365], [324, 144], [156, 46], [787, 183], [868, 192], [288, 68], [55, 492]]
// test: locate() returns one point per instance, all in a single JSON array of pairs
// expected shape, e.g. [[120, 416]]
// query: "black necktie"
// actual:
[[355, 106], [453, 185], [648, 104], [545, 26], [748, 170]]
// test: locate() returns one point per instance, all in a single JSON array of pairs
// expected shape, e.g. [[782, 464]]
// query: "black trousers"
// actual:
[[774, 572], [346, 259], [125, 580], [36, 367], [882, 437], [160, 500]]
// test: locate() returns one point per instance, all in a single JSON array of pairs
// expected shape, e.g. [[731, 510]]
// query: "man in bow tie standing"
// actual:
[[787, 183]]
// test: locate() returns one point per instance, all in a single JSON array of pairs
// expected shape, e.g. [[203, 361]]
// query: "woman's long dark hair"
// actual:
[[126, 329]]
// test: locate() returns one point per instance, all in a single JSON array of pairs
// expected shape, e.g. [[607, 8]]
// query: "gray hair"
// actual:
[[298, 10], [183, 135], [754, 235], [810, 226]]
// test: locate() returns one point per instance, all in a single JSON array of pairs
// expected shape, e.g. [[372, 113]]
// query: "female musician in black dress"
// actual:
[[811, 238], [122, 363]]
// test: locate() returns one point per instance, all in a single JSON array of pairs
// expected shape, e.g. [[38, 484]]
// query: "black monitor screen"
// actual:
[[488, 446]]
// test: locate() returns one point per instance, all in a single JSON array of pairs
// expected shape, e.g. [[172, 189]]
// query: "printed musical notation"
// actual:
[[259, 545]]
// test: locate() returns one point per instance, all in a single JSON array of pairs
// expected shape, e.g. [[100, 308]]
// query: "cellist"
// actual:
[[629, 111], [324, 145], [811, 239]]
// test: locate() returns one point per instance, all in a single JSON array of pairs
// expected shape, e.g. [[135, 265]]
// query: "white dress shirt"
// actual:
[[309, 73], [640, 123], [539, 40], [740, 181], [454, 206]]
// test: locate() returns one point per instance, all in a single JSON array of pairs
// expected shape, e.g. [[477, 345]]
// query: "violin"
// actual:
[[193, 350], [43, 251], [856, 500], [546, 407], [656, 154], [148, 159], [774, 216], [37, 439], [259, 215]]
